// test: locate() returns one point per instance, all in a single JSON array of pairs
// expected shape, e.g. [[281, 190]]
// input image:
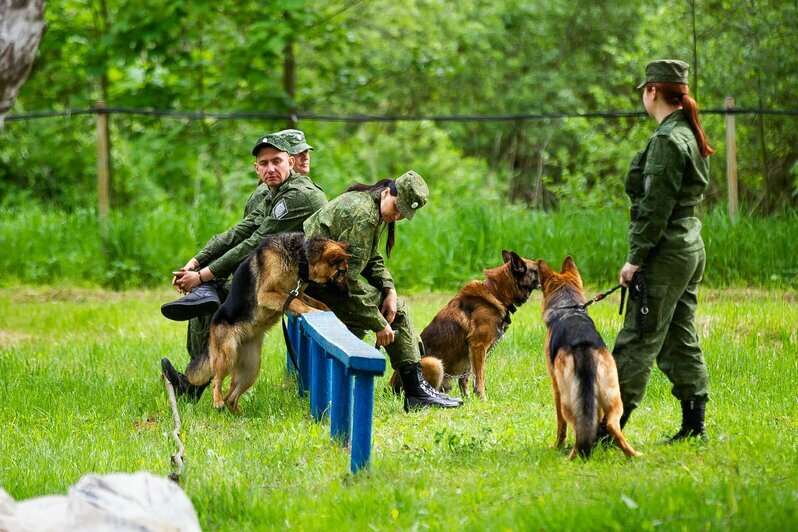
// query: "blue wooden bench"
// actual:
[[331, 359]]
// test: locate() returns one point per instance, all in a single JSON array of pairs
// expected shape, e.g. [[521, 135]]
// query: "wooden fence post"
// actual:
[[103, 167], [731, 160]]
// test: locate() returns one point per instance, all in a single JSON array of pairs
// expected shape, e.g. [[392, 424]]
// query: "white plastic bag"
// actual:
[[117, 501]]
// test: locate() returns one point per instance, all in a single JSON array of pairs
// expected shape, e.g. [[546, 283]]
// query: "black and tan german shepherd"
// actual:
[[583, 375], [260, 287], [458, 339]]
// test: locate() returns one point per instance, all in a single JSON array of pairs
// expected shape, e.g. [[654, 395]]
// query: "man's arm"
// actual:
[[219, 244], [288, 213]]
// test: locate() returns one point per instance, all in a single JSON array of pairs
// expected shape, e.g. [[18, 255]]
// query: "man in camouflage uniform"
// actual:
[[288, 200], [299, 149], [665, 183], [359, 217]]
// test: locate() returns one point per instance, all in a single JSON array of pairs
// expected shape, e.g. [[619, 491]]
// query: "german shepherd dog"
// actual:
[[458, 339], [583, 375], [261, 285]]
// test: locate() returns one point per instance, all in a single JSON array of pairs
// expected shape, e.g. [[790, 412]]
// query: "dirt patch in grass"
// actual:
[[11, 338], [71, 295]]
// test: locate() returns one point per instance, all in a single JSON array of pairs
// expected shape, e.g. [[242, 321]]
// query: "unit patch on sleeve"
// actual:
[[280, 209]]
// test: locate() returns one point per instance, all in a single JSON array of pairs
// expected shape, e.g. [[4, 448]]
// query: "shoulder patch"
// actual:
[[280, 209]]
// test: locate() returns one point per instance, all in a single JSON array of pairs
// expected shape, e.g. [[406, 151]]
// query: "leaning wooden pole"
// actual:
[[731, 159]]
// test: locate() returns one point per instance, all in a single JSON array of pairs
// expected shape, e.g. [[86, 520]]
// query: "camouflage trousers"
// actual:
[[669, 336], [199, 329], [404, 350]]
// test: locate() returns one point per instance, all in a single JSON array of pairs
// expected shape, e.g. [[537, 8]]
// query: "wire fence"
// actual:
[[294, 117]]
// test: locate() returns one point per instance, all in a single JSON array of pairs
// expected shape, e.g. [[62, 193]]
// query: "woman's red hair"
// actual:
[[679, 94]]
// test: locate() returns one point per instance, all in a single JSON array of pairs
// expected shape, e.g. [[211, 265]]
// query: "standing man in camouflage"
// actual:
[[665, 183], [289, 199]]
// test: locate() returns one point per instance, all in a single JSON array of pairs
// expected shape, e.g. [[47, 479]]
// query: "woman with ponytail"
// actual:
[[359, 216], [666, 182]]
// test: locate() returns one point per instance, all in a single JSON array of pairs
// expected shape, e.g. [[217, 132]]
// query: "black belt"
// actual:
[[677, 214]]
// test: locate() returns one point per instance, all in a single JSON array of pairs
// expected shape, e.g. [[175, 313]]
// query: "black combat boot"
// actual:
[[180, 382], [201, 301], [418, 392], [692, 422]]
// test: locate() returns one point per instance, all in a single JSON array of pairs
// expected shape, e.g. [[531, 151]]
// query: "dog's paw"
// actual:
[[218, 405]]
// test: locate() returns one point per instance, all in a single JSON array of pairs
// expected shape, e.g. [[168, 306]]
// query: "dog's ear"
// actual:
[[569, 267], [336, 254], [544, 272], [344, 244], [517, 263]]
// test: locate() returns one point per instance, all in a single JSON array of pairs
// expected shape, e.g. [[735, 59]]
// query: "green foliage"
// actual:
[[81, 394], [449, 243], [416, 57]]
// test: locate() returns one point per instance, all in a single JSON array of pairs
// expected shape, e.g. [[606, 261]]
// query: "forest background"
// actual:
[[361, 76]]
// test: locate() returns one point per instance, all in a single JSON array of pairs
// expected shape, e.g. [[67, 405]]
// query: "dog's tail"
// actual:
[[199, 371], [586, 407], [431, 370]]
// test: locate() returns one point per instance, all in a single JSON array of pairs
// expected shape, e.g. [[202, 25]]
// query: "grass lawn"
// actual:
[[80, 393]]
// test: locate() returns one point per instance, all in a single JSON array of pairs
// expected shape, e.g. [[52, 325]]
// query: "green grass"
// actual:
[[80, 393]]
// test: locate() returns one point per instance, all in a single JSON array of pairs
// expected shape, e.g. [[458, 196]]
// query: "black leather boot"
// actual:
[[201, 301], [180, 382], [692, 422], [418, 392]]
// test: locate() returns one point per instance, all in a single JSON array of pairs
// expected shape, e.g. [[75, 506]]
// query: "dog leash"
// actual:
[[603, 295], [288, 346], [599, 297]]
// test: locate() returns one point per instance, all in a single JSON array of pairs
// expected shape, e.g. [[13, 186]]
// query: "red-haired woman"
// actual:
[[666, 182]]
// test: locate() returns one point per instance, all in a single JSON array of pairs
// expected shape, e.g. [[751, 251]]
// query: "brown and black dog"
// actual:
[[260, 287], [458, 339], [583, 375]]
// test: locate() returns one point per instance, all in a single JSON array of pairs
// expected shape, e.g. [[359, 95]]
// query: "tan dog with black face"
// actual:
[[458, 339], [583, 373], [260, 287]]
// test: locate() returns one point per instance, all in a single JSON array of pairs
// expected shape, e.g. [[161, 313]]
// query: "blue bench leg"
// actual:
[[341, 415], [300, 343], [303, 354], [319, 381], [363, 410]]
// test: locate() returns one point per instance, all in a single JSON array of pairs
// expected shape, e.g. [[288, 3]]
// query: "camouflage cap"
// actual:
[[296, 138], [278, 141], [412, 193], [666, 71]]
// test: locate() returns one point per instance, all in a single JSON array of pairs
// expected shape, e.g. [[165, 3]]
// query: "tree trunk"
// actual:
[[289, 74], [21, 29]]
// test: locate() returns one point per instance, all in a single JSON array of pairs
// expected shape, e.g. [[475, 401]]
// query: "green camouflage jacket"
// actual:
[[665, 180], [355, 217], [257, 197], [283, 211]]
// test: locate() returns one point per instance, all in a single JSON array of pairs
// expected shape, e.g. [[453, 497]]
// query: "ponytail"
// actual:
[[679, 94], [379, 186]]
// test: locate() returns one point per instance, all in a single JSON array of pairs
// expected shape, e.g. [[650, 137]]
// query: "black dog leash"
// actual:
[[638, 291], [288, 346]]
